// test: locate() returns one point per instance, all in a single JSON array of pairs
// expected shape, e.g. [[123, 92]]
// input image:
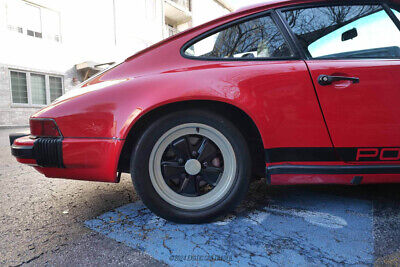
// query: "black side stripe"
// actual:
[[300, 154], [328, 154], [309, 169]]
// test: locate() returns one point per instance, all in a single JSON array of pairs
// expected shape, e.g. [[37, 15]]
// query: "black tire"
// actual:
[[140, 170]]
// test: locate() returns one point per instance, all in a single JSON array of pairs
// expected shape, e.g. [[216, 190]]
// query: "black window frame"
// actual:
[[275, 18], [386, 5]]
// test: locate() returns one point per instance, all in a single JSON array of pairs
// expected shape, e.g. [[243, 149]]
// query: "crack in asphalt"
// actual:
[[29, 260]]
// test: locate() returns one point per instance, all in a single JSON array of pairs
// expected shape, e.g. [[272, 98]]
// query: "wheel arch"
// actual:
[[237, 116]]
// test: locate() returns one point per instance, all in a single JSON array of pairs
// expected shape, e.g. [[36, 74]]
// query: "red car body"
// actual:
[[304, 132]]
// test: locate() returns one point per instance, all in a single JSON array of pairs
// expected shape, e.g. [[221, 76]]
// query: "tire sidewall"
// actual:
[[140, 167]]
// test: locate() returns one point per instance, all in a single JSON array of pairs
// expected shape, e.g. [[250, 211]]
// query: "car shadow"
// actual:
[[261, 194]]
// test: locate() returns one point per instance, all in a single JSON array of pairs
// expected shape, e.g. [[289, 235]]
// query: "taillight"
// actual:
[[44, 128]]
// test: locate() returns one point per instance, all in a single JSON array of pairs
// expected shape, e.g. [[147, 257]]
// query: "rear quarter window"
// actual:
[[256, 38]]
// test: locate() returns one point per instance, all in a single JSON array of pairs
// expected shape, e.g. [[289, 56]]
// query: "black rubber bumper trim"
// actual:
[[46, 151], [23, 152], [312, 169]]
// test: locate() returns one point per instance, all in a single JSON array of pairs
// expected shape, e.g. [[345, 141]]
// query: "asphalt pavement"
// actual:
[[42, 220], [62, 222]]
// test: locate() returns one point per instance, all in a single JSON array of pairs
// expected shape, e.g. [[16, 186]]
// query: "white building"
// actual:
[[48, 46]]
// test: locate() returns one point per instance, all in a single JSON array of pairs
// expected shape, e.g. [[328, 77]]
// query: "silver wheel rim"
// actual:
[[225, 181]]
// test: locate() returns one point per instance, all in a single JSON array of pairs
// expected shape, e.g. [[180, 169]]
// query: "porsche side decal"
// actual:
[[348, 154]]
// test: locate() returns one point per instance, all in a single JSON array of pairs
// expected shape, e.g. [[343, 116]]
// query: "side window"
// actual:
[[257, 38], [359, 31]]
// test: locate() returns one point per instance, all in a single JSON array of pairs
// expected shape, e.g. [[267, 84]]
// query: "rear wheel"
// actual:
[[191, 166]]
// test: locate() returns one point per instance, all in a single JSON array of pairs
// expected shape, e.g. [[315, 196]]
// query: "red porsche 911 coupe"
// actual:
[[299, 92]]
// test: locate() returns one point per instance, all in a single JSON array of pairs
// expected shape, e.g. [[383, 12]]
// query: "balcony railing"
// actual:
[[171, 30]]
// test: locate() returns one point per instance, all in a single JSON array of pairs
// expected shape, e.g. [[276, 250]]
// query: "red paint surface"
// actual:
[[87, 159], [277, 95], [365, 114]]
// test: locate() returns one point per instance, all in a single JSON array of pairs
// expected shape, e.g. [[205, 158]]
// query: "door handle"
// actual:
[[327, 80]]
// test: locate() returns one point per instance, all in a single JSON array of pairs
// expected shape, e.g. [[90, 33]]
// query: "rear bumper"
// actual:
[[71, 158], [47, 152]]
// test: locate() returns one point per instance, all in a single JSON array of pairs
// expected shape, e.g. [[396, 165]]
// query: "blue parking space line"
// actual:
[[297, 229]]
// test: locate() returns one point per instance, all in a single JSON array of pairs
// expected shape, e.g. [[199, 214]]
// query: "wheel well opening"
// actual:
[[238, 117]]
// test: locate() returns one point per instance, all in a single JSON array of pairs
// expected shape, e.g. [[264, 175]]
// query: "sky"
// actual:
[[241, 3]]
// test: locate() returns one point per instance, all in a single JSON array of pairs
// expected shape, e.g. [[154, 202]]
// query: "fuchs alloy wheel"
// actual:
[[191, 166]]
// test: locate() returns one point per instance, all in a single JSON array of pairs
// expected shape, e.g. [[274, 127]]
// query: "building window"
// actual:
[[38, 89], [19, 88], [35, 89], [32, 20], [55, 87]]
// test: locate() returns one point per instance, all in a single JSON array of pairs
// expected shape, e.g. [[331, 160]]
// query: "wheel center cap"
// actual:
[[192, 166]]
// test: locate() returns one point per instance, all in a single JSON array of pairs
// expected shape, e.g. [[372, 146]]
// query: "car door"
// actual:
[[353, 55]]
